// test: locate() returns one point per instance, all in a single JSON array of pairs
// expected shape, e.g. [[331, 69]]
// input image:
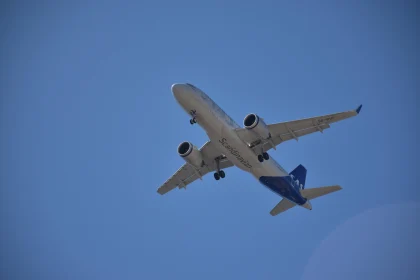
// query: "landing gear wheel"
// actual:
[[222, 174], [216, 176], [260, 158], [265, 156], [193, 114]]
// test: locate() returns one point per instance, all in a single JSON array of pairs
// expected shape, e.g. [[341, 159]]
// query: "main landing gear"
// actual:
[[193, 114], [263, 157], [220, 173]]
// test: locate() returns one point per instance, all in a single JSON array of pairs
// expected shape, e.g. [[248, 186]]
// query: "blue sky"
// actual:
[[90, 129]]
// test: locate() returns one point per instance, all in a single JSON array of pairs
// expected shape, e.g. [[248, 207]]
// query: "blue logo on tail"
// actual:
[[299, 174]]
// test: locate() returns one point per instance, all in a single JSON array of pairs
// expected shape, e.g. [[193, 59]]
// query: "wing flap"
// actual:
[[181, 178], [293, 134], [294, 129]]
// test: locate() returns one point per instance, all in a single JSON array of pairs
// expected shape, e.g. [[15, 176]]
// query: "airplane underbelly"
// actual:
[[234, 149], [221, 132], [209, 121], [268, 168]]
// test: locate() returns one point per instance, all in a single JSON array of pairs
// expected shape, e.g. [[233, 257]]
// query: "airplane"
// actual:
[[246, 148]]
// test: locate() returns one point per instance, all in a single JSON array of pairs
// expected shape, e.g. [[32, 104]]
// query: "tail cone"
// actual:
[[307, 205]]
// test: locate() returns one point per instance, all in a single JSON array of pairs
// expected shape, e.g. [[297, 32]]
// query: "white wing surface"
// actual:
[[284, 131], [187, 173]]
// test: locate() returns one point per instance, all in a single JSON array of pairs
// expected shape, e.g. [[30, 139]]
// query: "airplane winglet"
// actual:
[[358, 109]]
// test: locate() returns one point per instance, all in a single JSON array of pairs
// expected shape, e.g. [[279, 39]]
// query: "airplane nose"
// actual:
[[177, 90], [182, 92]]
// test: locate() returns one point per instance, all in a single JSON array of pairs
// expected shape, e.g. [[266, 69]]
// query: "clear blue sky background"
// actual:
[[89, 131]]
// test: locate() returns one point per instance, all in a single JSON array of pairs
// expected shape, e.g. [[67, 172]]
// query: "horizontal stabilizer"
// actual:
[[282, 206], [317, 192]]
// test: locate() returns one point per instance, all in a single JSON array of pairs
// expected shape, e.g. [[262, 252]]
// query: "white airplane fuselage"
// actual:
[[220, 128]]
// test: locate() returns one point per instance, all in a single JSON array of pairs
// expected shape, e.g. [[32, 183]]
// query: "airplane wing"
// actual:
[[284, 131], [188, 173]]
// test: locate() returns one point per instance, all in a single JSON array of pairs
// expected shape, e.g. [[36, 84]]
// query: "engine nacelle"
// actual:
[[190, 154], [257, 125]]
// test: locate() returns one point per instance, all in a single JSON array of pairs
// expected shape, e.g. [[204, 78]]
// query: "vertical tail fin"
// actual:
[[299, 173]]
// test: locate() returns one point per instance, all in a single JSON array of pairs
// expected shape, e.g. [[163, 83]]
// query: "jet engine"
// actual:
[[256, 124], [190, 154]]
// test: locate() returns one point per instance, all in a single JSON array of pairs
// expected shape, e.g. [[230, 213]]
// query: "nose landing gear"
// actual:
[[193, 114]]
